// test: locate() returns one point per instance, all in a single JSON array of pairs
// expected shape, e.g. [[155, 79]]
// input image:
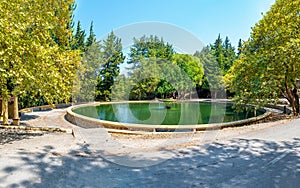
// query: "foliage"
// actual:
[[213, 79], [217, 59], [229, 55], [91, 38], [240, 45], [111, 58], [192, 72], [87, 74], [35, 54], [121, 88], [147, 47], [79, 38], [224, 53], [268, 66], [156, 71], [89, 68], [146, 55]]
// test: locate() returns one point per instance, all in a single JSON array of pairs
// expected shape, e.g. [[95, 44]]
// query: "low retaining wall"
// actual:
[[43, 108], [284, 108], [87, 122]]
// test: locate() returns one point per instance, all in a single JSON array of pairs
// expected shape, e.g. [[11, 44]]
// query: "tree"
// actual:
[[268, 66], [193, 70], [240, 45], [218, 51], [146, 56], [32, 59], [61, 38], [121, 88], [111, 58], [87, 74], [89, 68], [213, 79], [91, 38], [229, 55], [79, 38], [224, 53], [147, 47]]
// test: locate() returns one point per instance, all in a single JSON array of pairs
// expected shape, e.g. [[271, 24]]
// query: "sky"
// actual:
[[204, 19]]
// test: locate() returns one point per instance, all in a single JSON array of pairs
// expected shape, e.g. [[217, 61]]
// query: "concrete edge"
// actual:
[[125, 128]]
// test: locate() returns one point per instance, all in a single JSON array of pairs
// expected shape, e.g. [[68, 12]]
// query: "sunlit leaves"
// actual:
[[269, 64], [34, 48]]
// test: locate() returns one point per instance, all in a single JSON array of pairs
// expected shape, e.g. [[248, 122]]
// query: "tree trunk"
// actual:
[[291, 99], [16, 118], [5, 110], [213, 94], [296, 101]]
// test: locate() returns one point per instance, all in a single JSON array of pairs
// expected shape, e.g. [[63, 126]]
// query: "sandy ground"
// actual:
[[259, 155]]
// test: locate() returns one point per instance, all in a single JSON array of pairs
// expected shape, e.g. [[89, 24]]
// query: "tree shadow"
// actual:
[[10, 135], [234, 163], [26, 117]]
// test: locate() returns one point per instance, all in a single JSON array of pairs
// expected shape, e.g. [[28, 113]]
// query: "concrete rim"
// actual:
[[87, 122]]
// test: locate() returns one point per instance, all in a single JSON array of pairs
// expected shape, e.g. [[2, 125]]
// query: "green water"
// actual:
[[185, 113]]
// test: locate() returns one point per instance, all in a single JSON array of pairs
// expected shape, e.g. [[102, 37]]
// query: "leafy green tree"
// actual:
[[64, 40], [70, 26], [149, 47], [32, 60], [269, 66], [145, 78], [145, 58], [111, 58], [193, 70]]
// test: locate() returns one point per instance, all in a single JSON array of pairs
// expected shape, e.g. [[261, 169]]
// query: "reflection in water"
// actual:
[[183, 113]]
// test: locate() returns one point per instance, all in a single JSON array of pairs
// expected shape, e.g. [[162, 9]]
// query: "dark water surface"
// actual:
[[177, 113]]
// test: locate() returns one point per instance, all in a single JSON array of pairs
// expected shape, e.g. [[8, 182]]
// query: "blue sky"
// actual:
[[203, 18]]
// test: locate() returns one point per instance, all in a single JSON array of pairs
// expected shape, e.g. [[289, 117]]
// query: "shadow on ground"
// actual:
[[27, 117], [238, 163], [10, 135]]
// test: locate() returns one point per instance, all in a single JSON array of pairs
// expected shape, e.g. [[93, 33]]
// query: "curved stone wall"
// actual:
[[87, 122]]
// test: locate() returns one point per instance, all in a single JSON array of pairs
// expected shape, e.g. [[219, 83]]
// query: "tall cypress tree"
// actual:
[[218, 51], [229, 54], [224, 53], [91, 38], [111, 58], [79, 38], [240, 44], [71, 23]]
